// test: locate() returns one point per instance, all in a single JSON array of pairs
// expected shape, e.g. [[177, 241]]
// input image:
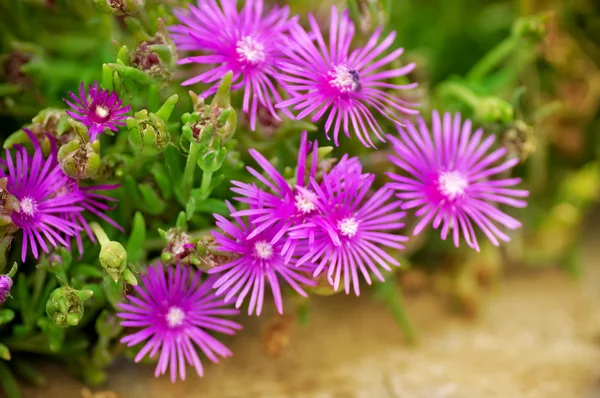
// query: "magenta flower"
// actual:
[[257, 262], [248, 42], [98, 110], [347, 234], [36, 183], [328, 78], [450, 179], [5, 285], [283, 205], [174, 314]]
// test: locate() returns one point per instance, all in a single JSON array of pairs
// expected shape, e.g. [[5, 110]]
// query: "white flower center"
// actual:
[[304, 203], [250, 50], [344, 79], [175, 317], [263, 250], [452, 184], [101, 111], [348, 226], [28, 206]]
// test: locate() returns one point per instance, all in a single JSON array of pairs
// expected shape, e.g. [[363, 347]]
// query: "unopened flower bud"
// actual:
[[113, 257], [120, 7], [80, 160], [8, 204], [48, 122], [5, 285], [155, 55], [148, 133], [532, 27], [65, 305], [211, 160], [494, 110]]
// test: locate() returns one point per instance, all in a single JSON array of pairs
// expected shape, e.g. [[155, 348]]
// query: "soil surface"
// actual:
[[538, 337]]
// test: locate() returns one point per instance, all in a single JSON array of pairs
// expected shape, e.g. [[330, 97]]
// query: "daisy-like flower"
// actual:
[[248, 42], [347, 234], [328, 78], [450, 178], [98, 109], [174, 313], [35, 182], [283, 205], [257, 262]]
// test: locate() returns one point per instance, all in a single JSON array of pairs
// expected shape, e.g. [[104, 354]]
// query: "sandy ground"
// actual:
[[539, 337]]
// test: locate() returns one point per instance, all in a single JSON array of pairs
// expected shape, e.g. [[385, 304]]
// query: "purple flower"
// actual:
[[36, 183], [5, 285], [347, 234], [174, 313], [283, 205], [248, 42], [257, 262], [346, 85], [450, 180], [98, 110]]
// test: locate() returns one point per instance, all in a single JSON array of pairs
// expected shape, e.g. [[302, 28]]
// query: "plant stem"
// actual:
[[205, 185], [100, 234], [392, 295], [460, 91], [190, 168], [492, 59]]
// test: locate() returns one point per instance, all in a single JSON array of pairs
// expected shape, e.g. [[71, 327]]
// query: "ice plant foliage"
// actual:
[[346, 235], [283, 204], [174, 312], [347, 85], [258, 262], [98, 109], [451, 177], [36, 183], [249, 42]]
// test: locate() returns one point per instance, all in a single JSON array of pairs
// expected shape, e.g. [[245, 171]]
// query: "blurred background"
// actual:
[[519, 321]]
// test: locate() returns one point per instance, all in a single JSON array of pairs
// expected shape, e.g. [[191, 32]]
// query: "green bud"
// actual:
[[494, 110], [113, 257], [4, 352], [120, 7], [211, 160], [49, 121], [156, 55], [148, 133], [532, 27], [79, 159], [65, 305]]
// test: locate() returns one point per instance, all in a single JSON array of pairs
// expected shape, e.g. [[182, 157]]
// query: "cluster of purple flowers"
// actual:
[[264, 48], [51, 204], [328, 223]]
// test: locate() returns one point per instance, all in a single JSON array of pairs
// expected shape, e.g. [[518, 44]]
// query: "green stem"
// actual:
[[492, 59], [460, 91], [8, 382], [205, 184], [393, 297], [190, 168], [100, 234]]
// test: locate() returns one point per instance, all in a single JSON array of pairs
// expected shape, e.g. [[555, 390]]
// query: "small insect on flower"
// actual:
[[37, 183], [258, 261], [348, 85], [248, 42], [350, 228], [174, 311], [283, 205], [450, 180], [98, 109]]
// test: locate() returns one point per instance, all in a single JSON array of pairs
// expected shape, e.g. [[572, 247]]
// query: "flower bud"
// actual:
[[206, 255], [532, 27], [65, 305], [155, 55], [48, 122], [113, 257], [8, 204], [5, 285], [519, 140], [179, 245], [494, 110], [211, 160], [80, 160], [148, 133], [120, 7]]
